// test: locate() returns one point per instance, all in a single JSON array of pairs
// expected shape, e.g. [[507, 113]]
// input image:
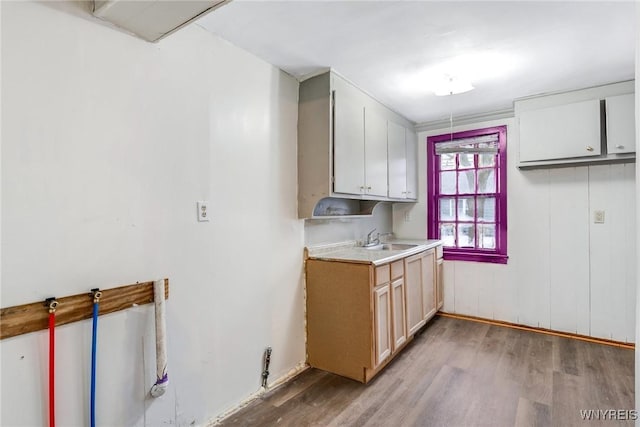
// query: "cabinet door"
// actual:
[[428, 284], [397, 160], [348, 142], [411, 143], [413, 292], [399, 324], [375, 153], [382, 314], [621, 124], [439, 284], [559, 132]]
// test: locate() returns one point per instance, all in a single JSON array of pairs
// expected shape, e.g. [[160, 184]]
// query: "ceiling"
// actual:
[[394, 49]]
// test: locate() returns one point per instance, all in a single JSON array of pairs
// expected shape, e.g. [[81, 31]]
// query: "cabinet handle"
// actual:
[[589, 148], [408, 192], [368, 188], [619, 147]]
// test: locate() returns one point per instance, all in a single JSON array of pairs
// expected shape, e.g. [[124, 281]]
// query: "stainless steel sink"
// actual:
[[390, 247]]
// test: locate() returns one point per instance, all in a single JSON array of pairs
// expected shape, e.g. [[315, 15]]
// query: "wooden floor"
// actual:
[[462, 373]]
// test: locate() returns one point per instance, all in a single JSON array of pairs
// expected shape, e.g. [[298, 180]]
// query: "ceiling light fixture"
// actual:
[[451, 85]]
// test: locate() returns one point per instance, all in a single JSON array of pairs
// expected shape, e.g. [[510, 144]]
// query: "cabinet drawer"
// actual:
[[383, 274], [397, 269]]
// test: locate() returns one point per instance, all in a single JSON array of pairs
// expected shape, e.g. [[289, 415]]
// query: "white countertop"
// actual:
[[349, 252]]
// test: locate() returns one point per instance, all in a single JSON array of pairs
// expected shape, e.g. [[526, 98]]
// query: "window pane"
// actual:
[[487, 181], [487, 209], [466, 236], [487, 236], [447, 209], [466, 209], [485, 160], [466, 161], [466, 182], [448, 234], [447, 161], [448, 182]]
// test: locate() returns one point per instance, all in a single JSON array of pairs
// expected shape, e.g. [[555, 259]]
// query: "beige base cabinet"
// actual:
[[413, 280], [421, 289], [428, 284], [359, 316], [439, 283]]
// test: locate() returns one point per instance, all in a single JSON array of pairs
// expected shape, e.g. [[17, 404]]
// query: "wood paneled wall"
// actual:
[[565, 272]]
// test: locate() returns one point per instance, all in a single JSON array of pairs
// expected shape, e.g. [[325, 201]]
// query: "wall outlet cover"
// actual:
[[203, 211], [598, 217]]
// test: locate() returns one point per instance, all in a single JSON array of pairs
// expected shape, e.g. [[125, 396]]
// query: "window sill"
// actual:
[[449, 255]]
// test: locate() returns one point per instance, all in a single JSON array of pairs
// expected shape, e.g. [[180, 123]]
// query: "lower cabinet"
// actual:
[[399, 313], [382, 314], [439, 283], [420, 282], [359, 316]]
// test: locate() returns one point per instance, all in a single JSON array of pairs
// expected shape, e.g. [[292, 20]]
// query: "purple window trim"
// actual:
[[499, 254]]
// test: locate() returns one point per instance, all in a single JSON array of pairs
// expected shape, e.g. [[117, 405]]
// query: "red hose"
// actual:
[[52, 342]]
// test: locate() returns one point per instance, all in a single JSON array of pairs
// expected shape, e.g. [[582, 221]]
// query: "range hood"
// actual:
[[334, 207], [152, 20]]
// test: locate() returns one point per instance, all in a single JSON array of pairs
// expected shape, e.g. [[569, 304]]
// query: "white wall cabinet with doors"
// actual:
[[559, 132], [621, 123], [402, 149], [359, 143], [344, 150], [571, 128]]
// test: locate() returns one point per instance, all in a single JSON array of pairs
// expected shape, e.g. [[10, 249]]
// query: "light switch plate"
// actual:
[[203, 211], [598, 217]]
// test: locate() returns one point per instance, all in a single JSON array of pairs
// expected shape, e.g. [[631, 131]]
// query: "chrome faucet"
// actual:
[[370, 240]]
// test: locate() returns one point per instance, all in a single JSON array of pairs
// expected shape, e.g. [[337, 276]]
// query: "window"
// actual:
[[467, 194]]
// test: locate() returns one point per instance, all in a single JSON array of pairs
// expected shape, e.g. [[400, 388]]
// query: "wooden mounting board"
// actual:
[[22, 319]]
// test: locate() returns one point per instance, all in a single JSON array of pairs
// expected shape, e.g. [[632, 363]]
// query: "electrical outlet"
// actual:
[[598, 217], [203, 211], [407, 216]]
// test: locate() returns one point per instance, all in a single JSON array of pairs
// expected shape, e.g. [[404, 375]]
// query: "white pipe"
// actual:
[[162, 381]]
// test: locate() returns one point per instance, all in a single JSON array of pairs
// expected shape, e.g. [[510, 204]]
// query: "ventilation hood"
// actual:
[[152, 20]]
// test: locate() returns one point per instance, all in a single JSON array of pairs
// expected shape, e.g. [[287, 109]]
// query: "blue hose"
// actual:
[[93, 364]]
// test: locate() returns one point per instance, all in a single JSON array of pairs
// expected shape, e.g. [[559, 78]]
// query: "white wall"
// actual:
[[564, 272], [107, 144]]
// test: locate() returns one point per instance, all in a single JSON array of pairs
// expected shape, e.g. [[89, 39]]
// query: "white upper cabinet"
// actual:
[[397, 161], [348, 145], [343, 150], [569, 128], [411, 143], [375, 153], [402, 149], [560, 132], [621, 124], [359, 143]]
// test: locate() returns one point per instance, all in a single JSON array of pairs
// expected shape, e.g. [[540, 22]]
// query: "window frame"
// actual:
[[499, 254]]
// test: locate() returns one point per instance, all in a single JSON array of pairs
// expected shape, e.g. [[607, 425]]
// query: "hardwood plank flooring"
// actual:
[[462, 373]]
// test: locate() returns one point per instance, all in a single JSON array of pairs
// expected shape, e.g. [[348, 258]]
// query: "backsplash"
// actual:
[[319, 231]]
